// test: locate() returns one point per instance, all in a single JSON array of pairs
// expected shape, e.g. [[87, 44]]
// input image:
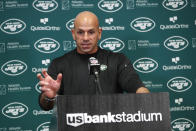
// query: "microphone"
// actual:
[[94, 66]]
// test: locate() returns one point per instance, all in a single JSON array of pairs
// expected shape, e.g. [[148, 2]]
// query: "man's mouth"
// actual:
[[86, 45]]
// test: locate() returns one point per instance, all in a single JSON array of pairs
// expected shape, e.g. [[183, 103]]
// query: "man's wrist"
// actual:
[[50, 99]]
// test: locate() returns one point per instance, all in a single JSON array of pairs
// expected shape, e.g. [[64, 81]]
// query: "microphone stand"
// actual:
[[98, 86]]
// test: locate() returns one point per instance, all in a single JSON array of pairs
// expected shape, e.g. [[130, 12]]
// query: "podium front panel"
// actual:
[[116, 112]]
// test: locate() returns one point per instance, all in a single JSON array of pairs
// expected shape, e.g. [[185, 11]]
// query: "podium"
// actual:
[[116, 112]]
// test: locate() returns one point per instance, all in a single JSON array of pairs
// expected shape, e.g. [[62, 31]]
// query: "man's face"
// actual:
[[86, 33]]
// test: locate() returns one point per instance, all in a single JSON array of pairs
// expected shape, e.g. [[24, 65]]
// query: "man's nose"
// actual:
[[86, 36]]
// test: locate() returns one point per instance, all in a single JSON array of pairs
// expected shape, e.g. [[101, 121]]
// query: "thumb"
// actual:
[[59, 78]]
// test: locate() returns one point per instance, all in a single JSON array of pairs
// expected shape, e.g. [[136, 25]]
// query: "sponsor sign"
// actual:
[[182, 124], [38, 69], [78, 119], [70, 24], [179, 84], [177, 66], [44, 21], [181, 107], [15, 88], [42, 112], [113, 44], [194, 42], [13, 26], [14, 67], [132, 4], [2, 47], [69, 45], [176, 43], [174, 25], [142, 24], [110, 5], [145, 65], [14, 110], [38, 88], [193, 3], [47, 45], [1, 6], [3, 90], [68, 4], [133, 44], [17, 46], [16, 4], [43, 127], [45, 5], [46, 62], [174, 5], [152, 85], [111, 27]]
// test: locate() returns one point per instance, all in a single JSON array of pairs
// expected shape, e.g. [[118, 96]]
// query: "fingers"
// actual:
[[44, 72], [39, 76], [59, 78], [45, 89], [43, 83]]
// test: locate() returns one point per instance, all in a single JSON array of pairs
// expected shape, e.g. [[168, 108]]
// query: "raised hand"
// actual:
[[49, 86]]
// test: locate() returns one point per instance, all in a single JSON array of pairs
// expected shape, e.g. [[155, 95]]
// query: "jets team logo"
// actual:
[[179, 84], [174, 5], [15, 110], [182, 124], [142, 24], [70, 24], [110, 5], [47, 45], [14, 67], [38, 88], [145, 65], [13, 26], [112, 44], [45, 5], [44, 126], [176, 43]]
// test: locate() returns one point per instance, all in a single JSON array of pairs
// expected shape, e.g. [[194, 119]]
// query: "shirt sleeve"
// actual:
[[128, 79]]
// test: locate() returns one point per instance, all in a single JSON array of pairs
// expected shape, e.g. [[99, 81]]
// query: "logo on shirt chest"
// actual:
[[103, 67]]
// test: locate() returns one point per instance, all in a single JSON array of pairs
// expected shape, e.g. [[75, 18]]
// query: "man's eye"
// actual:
[[91, 32], [80, 32]]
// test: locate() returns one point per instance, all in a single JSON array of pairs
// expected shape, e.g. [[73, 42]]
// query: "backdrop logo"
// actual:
[[77, 119], [38, 88], [43, 127], [14, 67], [46, 45], [176, 43], [174, 5], [13, 26], [112, 44], [182, 124], [179, 84], [15, 110], [145, 65], [70, 24], [110, 5], [45, 5], [142, 24]]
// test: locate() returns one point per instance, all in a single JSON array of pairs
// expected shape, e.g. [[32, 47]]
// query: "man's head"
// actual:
[[86, 32]]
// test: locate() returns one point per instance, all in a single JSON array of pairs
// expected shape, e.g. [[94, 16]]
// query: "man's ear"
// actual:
[[73, 34], [100, 32]]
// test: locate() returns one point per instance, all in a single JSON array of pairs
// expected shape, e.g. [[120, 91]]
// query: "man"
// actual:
[[69, 74]]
